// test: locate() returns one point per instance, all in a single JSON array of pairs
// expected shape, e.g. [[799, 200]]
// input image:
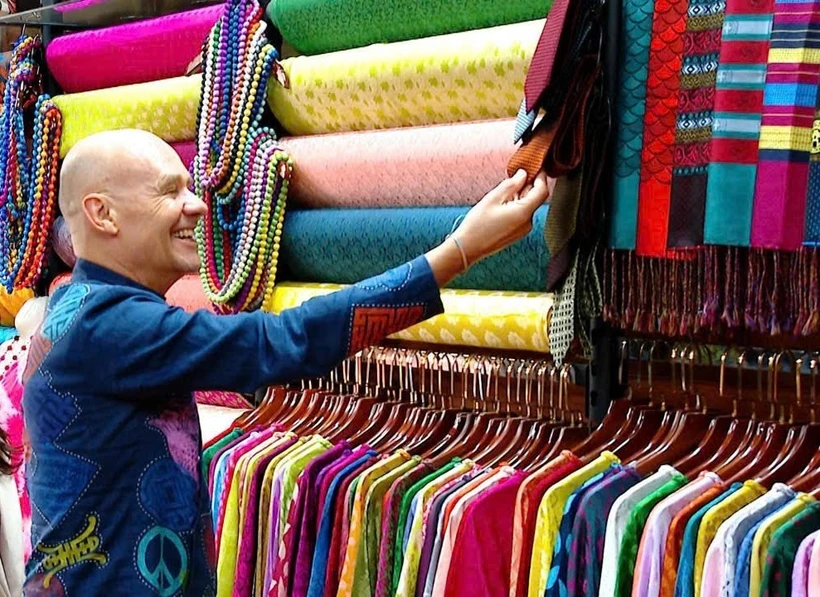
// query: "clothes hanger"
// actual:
[[798, 454], [687, 434]]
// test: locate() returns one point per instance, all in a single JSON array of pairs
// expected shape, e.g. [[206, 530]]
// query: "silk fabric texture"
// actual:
[[498, 320], [435, 166], [146, 50], [321, 26], [375, 239], [167, 108], [468, 76]]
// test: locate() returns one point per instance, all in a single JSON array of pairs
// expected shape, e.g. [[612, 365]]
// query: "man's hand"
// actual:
[[501, 218]]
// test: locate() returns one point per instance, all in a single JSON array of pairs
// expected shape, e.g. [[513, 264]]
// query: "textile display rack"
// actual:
[[623, 403]]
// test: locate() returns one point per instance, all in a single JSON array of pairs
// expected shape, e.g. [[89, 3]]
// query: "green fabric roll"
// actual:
[[320, 26]]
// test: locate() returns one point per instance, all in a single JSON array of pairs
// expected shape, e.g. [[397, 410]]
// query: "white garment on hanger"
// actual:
[[11, 539]]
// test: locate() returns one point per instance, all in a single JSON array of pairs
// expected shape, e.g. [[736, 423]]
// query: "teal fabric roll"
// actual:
[[346, 246], [320, 26]]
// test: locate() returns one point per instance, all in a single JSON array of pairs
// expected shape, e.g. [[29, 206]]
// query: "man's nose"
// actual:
[[194, 206]]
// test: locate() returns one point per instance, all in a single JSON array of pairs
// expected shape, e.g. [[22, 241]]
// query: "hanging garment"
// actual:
[[648, 568], [715, 517], [811, 237], [479, 564], [549, 519], [782, 551], [685, 583], [802, 562], [741, 77], [618, 519], [790, 98], [814, 571], [557, 580], [529, 497], [628, 556], [762, 537], [589, 531], [676, 537], [390, 520]]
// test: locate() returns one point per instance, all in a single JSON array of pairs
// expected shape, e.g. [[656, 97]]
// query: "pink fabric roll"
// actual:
[[186, 151], [149, 50], [187, 293], [61, 241], [443, 165]]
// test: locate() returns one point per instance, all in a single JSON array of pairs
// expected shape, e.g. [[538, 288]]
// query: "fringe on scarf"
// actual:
[[715, 290]]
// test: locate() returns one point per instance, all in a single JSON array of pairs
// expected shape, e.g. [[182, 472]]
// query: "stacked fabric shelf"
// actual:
[[391, 145]]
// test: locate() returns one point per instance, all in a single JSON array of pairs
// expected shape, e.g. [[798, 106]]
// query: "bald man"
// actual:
[[120, 507]]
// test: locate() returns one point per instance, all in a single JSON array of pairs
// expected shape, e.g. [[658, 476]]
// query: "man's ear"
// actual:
[[100, 213]]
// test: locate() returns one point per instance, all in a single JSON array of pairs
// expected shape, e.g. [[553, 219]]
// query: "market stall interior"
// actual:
[[622, 403]]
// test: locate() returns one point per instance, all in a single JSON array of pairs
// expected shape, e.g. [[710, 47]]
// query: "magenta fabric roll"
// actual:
[[186, 151], [149, 50], [442, 165]]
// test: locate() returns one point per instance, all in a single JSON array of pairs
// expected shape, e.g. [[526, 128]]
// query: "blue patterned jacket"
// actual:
[[119, 506]]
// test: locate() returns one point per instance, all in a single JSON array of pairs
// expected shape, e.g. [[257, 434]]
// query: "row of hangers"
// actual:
[[438, 405], [685, 413]]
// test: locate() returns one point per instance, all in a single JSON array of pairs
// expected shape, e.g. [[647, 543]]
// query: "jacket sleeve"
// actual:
[[141, 345]]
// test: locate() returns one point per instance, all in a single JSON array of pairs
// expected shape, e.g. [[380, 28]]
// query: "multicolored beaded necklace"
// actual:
[[28, 177], [239, 171]]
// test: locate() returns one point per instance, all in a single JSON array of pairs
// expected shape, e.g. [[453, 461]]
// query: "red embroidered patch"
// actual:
[[373, 324], [39, 347]]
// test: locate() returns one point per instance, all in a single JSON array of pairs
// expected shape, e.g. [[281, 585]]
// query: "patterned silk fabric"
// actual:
[[313, 27], [663, 81], [471, 318], [694, 122], [435, 166], [736, 128], [790, 98], [635, 39], [474, 75], [780, 557], [167, 108]]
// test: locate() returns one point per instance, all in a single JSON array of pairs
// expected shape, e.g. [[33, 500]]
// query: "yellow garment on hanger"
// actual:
[[475, 318], [715, 517], [366, 481], [167, 108], [472, 75], [10, 304], [549, 516], [763, 537]]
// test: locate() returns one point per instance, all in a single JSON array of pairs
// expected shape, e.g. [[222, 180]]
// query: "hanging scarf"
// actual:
[[812, 234], [662, 87], [28, 178], [239, 170], [636, 18], [736, 130], [694, 122], [790, 98]]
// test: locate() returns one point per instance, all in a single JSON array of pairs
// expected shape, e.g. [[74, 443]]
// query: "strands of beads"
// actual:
[[28, 178], [239, 171]]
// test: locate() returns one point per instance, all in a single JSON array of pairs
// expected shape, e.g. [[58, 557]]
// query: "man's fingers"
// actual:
[[539, 193]]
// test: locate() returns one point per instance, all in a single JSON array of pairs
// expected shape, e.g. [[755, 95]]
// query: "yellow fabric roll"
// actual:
[[167, 108], [10, 304], [475, 318], [474, 75]]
